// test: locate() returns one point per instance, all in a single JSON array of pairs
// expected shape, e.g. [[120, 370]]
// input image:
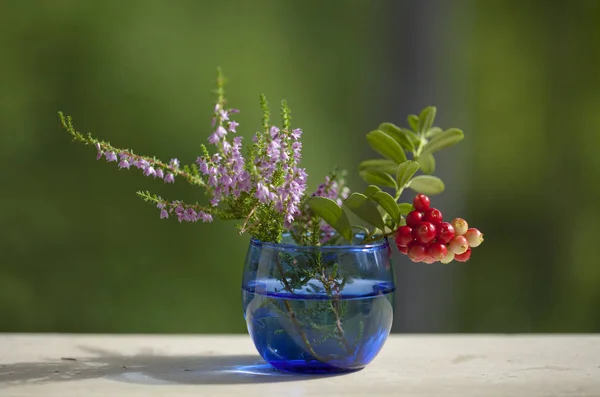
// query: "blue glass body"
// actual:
[[318, 309]]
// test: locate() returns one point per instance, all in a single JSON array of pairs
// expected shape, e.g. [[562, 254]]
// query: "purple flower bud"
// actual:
[[226, 147], [234, 110], [262, 192], [169, 178], [99, 149], [150, 171], [274, 131], [205, 217], [190, 215], [233, 125], [124, 164], [217, 107], [221, 132], [213, 138], [141, 164], [296, 133], [110, 156], [202, 165], [224, 115], [174, 163], [159, 173], [164, 214]]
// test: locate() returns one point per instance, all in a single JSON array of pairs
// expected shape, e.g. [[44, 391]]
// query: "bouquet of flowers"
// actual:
[[263, 186]]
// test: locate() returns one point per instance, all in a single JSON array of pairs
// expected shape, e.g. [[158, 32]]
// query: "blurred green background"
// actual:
[[79, 252]]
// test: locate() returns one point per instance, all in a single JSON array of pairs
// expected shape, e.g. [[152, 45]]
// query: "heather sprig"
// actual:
[[183, 212], [126, 158]]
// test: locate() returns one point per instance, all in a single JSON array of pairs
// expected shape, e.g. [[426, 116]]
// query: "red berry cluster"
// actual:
[[426, 238]]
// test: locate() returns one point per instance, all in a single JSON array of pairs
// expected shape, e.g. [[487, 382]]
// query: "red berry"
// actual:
[[414, 218], [445, 232], [448, 258], [437, 251], [460, 226], [404, 236], [474, 237], [416, 252], [404, 250], [433, 215], [421, 202], [459, 245], [424, 233], [465, 256]]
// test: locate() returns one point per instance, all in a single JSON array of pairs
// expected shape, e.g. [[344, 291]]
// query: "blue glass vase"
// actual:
[[318, 309]]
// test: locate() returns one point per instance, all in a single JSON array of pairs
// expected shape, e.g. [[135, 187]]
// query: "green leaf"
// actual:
[[413, 137], [427, 163], [405, 138], [427, 184], [388, 203], [331, 213], [371, 190], [383, 165], [387, 146], [375, 177], [405, 208], [365, 209], [433, 132], [413, 122], [443, 140], [426, 119], [405, 171]]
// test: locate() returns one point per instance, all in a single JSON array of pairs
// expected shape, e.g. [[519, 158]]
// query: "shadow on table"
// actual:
[[149, 369]]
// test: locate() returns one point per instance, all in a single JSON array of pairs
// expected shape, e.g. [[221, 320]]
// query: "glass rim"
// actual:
[[381, 243]]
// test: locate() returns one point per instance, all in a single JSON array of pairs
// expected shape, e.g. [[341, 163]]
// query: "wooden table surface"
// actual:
[[200, 366]]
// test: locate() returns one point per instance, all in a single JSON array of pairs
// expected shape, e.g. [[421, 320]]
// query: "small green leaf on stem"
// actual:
[[382, 165], [387, 146], [433, 132], [376, 177], [443, 140], [413, 122], [365, 209], [405, 208], [388, 203], [331, 213], [427, 163], [405, 138], [405, 171], [426, 119], [427, 184], [371, 190]]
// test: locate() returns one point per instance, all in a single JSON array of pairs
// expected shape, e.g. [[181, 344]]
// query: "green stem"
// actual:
[[293, 318]]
